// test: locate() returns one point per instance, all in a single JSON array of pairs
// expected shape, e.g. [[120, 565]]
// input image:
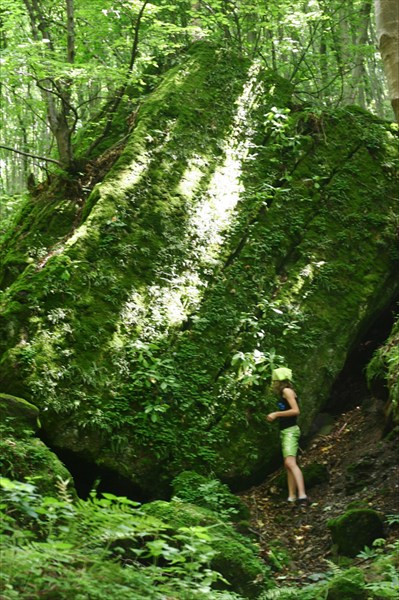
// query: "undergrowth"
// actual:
[[59, 548], [53, 547]]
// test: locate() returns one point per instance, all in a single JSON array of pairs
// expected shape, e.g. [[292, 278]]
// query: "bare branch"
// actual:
[[44, 158]]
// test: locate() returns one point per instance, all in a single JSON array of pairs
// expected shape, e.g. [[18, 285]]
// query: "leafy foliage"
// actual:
[[113, 546], [385, 365], [209, 493], [85, 68]]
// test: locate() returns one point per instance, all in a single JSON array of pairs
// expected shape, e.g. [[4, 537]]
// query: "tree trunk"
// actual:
[[57, 94], [359, 74], [387, 19]]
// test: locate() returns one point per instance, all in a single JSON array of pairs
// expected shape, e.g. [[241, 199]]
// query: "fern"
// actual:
[[62, 487], [335, 569]]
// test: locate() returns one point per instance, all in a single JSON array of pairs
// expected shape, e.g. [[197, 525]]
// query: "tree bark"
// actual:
[[387, 20]]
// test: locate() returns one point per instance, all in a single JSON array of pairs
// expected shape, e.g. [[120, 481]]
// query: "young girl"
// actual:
[[289, 432]]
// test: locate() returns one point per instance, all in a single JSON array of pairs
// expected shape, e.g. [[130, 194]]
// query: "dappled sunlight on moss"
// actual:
[[191, 178], [213, 204]]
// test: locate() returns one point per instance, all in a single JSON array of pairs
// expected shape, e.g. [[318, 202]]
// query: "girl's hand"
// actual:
[[271, 417]]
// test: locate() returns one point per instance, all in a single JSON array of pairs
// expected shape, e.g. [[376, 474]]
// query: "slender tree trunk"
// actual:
[[387, 20], [376, 83], [323, 65], [57, 94], [359, 73], [70, 32]]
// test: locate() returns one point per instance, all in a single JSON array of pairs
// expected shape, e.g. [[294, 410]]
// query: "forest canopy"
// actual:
[[74, 73]]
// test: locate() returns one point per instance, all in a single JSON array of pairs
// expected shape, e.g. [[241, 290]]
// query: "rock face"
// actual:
[[234, 224]]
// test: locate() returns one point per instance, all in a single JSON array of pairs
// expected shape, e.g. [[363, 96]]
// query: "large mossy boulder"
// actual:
[[355, 529], [235, 223], [235, 555]]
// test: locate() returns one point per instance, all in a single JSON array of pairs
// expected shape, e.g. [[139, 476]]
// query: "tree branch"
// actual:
[[114, 106], [51, 160]]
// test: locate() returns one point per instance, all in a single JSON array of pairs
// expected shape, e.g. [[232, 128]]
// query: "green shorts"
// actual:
[[290, 440]]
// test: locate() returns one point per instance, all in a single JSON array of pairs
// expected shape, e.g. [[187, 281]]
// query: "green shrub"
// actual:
[[235, 557], [209, 493]]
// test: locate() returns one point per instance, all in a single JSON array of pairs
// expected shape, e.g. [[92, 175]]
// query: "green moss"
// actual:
[[357, 504], [42, 223], [358, 475], [24, 457], [22, 413], [355, 529], [315, 474]]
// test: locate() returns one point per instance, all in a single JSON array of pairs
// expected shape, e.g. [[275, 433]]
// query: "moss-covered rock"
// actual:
[[358, 475], [315, 474], [28, 458], [236, 556], [349, 585], [209, 493], [234, 223], [23, 456], [355, 529], [22, 413]]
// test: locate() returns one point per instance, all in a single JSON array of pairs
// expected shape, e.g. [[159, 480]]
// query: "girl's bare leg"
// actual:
[[291, 485], [292, 467]]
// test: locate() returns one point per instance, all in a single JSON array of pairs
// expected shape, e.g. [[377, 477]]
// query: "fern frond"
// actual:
[[62, 487], [336, 570]]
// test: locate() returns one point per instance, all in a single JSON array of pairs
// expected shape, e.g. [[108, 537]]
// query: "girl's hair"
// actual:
[[285, 383]]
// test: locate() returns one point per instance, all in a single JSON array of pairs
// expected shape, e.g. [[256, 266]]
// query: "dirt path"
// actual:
[[356, 439]]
